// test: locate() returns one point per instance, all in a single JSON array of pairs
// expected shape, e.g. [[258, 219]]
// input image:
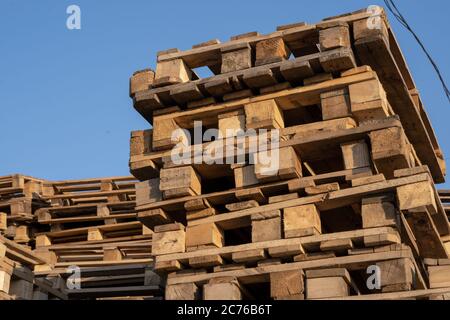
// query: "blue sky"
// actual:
[[64, 106]]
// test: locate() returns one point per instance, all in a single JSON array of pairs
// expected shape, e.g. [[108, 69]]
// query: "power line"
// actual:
[[397, 14]]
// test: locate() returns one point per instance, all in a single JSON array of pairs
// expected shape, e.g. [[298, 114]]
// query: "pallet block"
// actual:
[[266, 226], [231, 124], [167, 134], [286, 284], [222, 289], [148, 192], [141, 142], [263, 115], [368, 101], [141, 81], [327, 283], [278, 164], [179, 182], [204, 235], [170, 239], [3, 221], [364, 28], [301, 221], [396, 275], [334, 35], [270, 51], [356, 154], [378, 212], [183, 291], [417, 195], [236, 57], [390, 150], [335, 104], [5, 281], [171, 72], [439, 276], [22, 234], [245, 176]]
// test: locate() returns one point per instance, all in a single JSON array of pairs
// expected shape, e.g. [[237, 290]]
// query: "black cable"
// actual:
[[397, 14]]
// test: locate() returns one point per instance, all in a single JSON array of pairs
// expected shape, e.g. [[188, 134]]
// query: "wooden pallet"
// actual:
[[20, 186], [173, 83], [63, 217], [212, 240], [102, 233], [73, 192], [113, 281], [17, 264], [317, 144], [319, 278], [90, 254]]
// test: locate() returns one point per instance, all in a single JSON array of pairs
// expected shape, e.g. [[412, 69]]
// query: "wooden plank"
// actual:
[[246, 275]]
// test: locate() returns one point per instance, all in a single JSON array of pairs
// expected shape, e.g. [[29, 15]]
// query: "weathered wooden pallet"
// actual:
[[63, 217], [72, 192], [357, 94], [101, 281], [319, 246], [311, 145], [376, 47], [21, 209], [17, 264], [146, 166], [102, 233], [332, 277], [95, 253], [20, 186], [419, 215], [244, 83]]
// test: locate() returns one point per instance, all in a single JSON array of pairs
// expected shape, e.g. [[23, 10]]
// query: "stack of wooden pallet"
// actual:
[[17, 277], [92, 225], [351, 194], [20, 197]]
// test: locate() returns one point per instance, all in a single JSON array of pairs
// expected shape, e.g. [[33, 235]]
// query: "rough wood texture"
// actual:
[[178, 182], [141, 80], [390, 150], [368, 101], [355, 154], [301, 221], [278, 164], [396, 274], [184, 291], [222, 289], [266, 226], [236, 57], [171, 72], [204, 235], [286, 284], [263, 115], [270, 51], [335, 104], [334, 37], [378, 212]]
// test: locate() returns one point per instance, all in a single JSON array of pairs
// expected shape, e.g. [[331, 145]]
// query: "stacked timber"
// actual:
[[342, 206], [20, 197], [17, 278], [92, 232]]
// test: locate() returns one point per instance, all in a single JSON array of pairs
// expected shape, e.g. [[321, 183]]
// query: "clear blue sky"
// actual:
[[64, 106]]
